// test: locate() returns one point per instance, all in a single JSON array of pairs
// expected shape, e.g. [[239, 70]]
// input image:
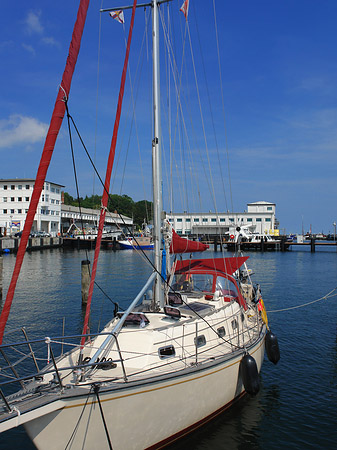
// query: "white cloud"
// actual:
[[33, 23], [50, 41], [18, 130], [29, 48]]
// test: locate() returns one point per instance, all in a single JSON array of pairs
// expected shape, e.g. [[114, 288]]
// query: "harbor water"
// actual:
[[296, 405]]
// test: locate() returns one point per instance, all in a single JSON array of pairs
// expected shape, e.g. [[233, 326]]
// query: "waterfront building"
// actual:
[[15, 195], [259, 216], [89, 218]]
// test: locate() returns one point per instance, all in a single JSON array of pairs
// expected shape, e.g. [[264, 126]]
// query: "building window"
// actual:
[[5, 211], [259, 220], [205, 220], [27, 199], [222, 220], [268, 220], [269, 208], [12, 199], [213, 220], [12, 187], [52, 189], [19, 211], [20, 186], [170, 220], [249, 219], [57, 191], [19, 199], [188, 220], [5, 199], [179, 220], [52, 201], [12, 211], [231, 219], [26, 210], [5, 187], [195, 219], [27, 186]]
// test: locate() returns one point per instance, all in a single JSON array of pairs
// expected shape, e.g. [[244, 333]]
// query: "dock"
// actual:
[[281, 245], [11, 244]]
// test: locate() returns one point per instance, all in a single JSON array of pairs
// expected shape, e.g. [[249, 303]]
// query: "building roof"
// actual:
[[261, 203], [8, 180]]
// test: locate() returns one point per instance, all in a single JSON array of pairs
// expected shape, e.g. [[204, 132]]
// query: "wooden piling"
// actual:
[[85, 280], [312, 245]]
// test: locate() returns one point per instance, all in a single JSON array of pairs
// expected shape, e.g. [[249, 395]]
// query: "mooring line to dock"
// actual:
[[328, 295]]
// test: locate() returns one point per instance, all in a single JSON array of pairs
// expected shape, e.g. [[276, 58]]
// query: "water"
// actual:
[[296, 406]]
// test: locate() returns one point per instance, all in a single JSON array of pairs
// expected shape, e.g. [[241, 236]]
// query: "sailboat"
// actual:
[[163, 367]]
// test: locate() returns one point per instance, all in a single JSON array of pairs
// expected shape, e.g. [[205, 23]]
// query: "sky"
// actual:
[[279, 82]]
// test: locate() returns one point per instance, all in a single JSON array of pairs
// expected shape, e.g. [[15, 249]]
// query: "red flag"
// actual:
[[184, 8], [117, 15]]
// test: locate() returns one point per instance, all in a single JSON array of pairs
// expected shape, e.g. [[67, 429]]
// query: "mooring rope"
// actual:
[[329, 295]]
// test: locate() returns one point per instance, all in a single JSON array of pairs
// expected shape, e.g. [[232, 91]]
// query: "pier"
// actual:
[[280, 245], [11, 244]]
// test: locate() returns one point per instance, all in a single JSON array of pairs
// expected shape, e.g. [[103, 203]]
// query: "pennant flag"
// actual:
[[184, 8], [117, 15]]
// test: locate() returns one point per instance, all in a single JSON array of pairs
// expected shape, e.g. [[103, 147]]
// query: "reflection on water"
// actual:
[[295, 408]]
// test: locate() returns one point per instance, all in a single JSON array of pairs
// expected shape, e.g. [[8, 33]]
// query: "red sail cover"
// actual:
[[224, 265], [54, 128], [182, 245]]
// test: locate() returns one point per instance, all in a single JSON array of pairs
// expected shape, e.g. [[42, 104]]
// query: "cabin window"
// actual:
[[221, 332], [234, 324], [136, 319], [166, 352], [174, 298], [242, 317], [199, 341]]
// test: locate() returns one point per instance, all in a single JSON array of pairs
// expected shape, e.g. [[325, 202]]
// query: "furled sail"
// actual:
[[183, 245]]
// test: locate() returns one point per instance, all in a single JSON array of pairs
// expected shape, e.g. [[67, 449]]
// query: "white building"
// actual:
[[90, 218], [15, 195], [260, 216]]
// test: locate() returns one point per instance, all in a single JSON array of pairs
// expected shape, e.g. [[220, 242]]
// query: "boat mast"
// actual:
[[156, 160]]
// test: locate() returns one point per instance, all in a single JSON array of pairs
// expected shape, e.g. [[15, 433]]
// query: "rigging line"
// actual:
[[176, 75], [79, 419], [329, 295], [179, 106], [77, 188], [223, 109], [97, 90], [202, 118], [211, 112], [96, 390]]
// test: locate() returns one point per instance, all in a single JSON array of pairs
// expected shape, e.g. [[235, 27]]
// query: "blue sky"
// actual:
[[279, 72]]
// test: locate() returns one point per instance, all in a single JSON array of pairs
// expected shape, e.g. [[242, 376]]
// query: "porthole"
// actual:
[[166, 352], [221, 332], [200, 341]]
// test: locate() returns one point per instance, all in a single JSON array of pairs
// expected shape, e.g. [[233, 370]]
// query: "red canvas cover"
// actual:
[[224, 265], [183, 245]]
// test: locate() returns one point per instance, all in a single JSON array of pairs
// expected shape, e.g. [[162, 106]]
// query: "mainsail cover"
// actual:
[[223, 265], [183, 245], [54, 128]]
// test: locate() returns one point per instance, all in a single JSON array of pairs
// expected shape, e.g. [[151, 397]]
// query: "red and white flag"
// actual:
[[184, 8], [117, 15]]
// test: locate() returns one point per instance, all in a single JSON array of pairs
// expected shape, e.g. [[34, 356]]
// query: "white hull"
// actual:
[[144, 415]]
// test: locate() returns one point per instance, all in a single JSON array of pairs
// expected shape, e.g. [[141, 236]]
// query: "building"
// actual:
[[89, 218], [15, 195], [260, 217]]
